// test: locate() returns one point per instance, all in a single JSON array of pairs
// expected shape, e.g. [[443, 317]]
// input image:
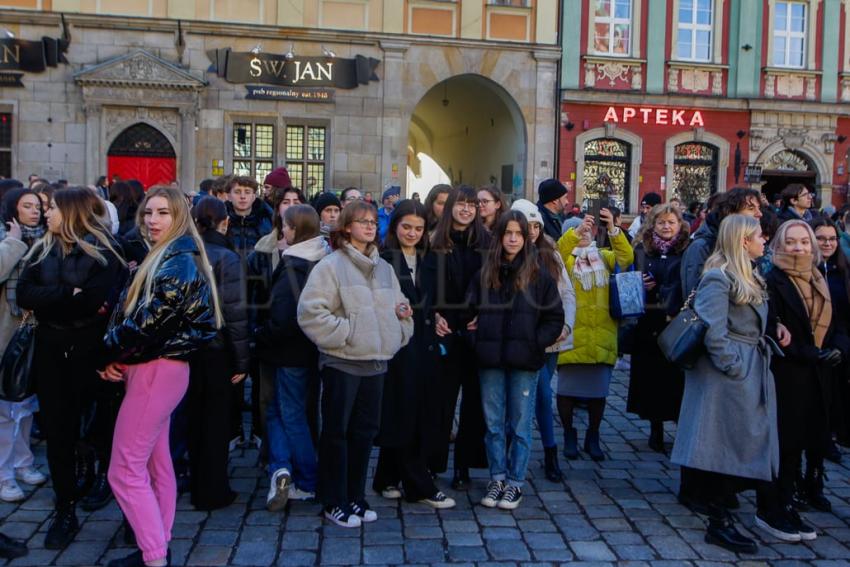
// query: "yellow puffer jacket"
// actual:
[[595, 332]]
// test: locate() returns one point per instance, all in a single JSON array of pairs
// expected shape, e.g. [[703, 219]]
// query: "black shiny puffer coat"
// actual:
[[177, 320]]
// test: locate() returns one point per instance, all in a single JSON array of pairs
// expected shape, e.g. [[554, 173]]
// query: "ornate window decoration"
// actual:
[[790, 23], [695, 168], [253, 149], [607, 171], [787, 160], [695, 28], [141, 140], [612, 27]]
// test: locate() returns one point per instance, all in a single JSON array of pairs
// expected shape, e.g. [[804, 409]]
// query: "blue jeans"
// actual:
[[507, 396], [290, 443], [543, 409]]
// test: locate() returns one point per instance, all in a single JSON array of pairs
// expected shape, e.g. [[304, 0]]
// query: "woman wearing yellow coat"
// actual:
[[585, 371]]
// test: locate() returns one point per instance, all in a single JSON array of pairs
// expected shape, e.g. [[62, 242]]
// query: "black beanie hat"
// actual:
[[651, 199], [551, 189], [326, 200]]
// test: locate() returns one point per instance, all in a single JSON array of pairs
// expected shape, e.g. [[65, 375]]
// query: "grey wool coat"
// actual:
[[727, 421]]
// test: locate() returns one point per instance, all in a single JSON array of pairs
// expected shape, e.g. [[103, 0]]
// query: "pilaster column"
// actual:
[[542, 143], [393, 126], [94, 167], [187, 156]]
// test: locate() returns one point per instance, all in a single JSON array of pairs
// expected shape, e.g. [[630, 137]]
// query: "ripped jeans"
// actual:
[[507, 397]]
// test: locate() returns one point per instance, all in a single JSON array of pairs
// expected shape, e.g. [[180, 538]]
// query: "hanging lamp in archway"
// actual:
[[142, 152]]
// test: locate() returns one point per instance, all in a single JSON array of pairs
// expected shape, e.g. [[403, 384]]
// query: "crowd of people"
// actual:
[[364, 324]]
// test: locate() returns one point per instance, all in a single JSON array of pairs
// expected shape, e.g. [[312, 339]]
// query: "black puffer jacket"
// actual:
[[230, 283], [47, 288], [515, 327], [244, 232], [179, 318]]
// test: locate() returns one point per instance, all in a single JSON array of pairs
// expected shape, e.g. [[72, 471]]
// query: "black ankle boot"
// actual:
[[84, 472], [550, 463], [814, 489], [63, 529], [656, 437], [591, 445], [571, 443], [722, 532], [461, 479], [11, 548], [99, 495]]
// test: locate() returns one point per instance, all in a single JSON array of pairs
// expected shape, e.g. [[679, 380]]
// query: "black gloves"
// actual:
[[830, 356]]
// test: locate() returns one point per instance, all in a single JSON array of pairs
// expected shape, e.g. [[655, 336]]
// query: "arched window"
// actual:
[[607, 171], [141, 140], [694, 172]]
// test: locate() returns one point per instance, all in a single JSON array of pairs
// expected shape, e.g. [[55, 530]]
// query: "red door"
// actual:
[[142, 152], [149, 170]]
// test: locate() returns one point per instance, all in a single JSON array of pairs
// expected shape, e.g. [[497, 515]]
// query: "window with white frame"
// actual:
[[789, 34], [694, 31], [612, 27]]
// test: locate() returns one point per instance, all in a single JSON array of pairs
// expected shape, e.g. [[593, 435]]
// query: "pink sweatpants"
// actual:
[[140, 471]]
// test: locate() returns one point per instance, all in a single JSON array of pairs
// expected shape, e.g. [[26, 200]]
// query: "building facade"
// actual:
[[361, 93], [690, 97]]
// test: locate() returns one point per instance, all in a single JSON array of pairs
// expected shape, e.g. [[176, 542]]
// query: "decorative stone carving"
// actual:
[[637, 78], [845, 89], [612, 71], [828, 141], [694, 80], [717, 83], [769, 86], [757, 139], [789, 85], [590, 75], [793, 138], [811, 84], [672, 80], [139, 69], [115, 119]]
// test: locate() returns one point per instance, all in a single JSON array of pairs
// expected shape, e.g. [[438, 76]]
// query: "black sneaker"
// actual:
[[11, 548], [439, 501], [511, 498], [807, 532], [63, 529], [778, 526], [135, 559], [495, 488], [361, 510], [99, 495], [722, 532], [342, 517]]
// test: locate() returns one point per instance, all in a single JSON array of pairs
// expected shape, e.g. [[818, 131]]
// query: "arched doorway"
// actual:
[[467, 129], [694, 172], [607, 171], [786, 167], [142, 152]]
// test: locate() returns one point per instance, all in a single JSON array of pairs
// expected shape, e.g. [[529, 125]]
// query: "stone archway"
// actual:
[[142, 152], [473, 131]]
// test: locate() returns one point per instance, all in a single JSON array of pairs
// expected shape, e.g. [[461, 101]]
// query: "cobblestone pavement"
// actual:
[[621, 511]]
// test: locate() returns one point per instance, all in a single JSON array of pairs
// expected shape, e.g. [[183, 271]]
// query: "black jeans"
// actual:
[[101, 401], [61, 380], [405, 466], [351, 416], [208, 399]]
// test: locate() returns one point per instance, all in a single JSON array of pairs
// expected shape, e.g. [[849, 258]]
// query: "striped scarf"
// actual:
[[589, 268]]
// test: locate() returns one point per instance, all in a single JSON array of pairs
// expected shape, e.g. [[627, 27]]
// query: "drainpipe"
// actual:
[[557, 153]]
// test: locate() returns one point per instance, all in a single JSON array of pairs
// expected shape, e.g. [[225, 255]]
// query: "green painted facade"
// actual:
[[655, 43], [745, 48], [831, 28], [571, 44]]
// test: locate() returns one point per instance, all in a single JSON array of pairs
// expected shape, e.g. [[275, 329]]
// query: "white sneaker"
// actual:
[[30, 475], [10, 491], [343, 517], [362, 511], [391, 493], [296, 493], [495, 489], [439, 501], [278, 490]]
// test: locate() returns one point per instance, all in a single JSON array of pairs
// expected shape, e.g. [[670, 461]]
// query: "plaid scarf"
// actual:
[[813, 289], [29, 235], [589, 268]]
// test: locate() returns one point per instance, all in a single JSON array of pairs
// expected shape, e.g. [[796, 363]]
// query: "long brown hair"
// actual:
[[354, 211], [181, 225], [548, 255], [304, 220], [82, 214], [441, 239], [499, 198], [528, 269], [431, 219]]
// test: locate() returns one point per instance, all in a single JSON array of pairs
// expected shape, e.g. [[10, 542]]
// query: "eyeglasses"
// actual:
[[366, 222], [827, 239], [485, 201], [804, 194], [353, 198], [466, 205]]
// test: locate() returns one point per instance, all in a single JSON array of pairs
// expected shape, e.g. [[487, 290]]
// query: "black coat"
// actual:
[[515, 327], [244, 232], [552, 223], [838, 290], [178, 320], [411, 404], [803, 384], [47, 288], [280, 341], [230, 283], [134, 246], [656, 386], [259, 286]]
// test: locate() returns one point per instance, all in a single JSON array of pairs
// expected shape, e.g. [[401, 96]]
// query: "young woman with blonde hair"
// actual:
[[169, 310], [70, 282], [730, 389]]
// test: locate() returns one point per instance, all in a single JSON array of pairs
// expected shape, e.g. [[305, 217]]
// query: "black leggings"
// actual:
[[595, 411]]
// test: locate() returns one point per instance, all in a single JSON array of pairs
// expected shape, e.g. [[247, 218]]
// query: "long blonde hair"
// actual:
[[181, 224], [82, 214], [731, 257]]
